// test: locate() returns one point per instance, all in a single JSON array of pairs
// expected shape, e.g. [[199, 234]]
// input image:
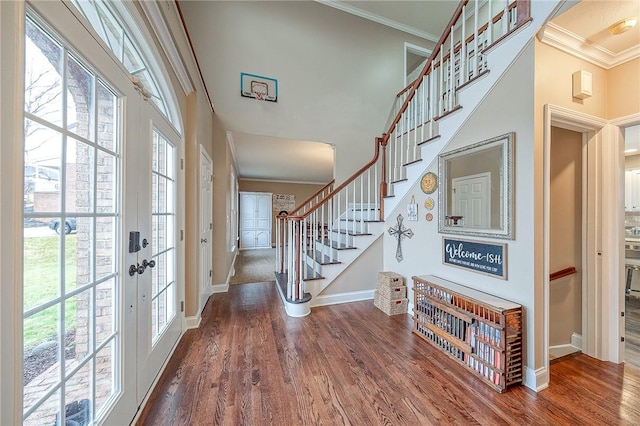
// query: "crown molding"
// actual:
[[161, 29], [297, 182], [575, 45], [380, 20]]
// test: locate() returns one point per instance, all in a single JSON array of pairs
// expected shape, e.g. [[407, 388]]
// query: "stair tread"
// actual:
[[335, 245], [350, 233], [412, 162], [312, 275], [432, 138], [321, 258], [399, 180]]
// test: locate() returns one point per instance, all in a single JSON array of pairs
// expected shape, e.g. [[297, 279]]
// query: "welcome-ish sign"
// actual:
[[478, 256]]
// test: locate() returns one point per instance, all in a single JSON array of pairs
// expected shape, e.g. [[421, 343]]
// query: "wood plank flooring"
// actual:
[[350, 364]]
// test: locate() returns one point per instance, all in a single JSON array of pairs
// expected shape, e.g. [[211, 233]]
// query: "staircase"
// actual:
[[317, 242]]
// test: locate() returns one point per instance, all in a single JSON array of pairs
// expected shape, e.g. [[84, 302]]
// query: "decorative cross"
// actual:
[[399, 231]]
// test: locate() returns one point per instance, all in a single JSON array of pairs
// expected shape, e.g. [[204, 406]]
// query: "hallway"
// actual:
[[249, 363]]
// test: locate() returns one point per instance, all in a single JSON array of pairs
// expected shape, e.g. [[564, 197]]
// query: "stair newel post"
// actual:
[[280, 227], [383, 178], [295, 272]]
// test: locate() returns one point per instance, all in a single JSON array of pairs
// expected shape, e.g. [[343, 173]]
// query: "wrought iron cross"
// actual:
[[399, 231]]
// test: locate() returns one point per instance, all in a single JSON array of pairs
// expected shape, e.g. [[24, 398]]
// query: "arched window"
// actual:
[[113, 22]]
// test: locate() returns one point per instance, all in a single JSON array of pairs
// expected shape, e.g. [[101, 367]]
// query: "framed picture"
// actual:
[[258, 87]]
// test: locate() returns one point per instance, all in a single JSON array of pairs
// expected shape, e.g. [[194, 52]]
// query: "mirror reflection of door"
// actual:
[[471, 199]]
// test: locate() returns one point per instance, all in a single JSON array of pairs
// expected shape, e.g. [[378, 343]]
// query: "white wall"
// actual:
[[507, 108], [338, 74]]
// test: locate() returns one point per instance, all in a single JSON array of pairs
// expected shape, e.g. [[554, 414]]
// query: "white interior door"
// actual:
[[472, 200], [255, 219], [206, 224]]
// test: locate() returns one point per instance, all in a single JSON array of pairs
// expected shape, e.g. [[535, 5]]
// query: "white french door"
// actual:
[[100, 312], [159, 325]]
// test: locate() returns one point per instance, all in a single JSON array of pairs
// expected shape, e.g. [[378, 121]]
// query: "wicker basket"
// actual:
[[393, 292], [390, 307], [390, 279]]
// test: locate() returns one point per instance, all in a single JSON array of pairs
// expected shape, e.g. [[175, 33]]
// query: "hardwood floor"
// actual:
[[632, 331], [250, 364]]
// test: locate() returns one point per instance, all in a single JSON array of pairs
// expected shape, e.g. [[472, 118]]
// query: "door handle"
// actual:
[[150, 264], [139, 269], [203, 240]]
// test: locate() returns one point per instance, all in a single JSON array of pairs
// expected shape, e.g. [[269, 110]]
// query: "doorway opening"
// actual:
[[415, 58], [565, 243], [631, 277]]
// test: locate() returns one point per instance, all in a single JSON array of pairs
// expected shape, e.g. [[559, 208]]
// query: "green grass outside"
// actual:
[[41, 284]]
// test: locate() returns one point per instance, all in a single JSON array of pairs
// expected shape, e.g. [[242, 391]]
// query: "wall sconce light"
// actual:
[[582, 83]]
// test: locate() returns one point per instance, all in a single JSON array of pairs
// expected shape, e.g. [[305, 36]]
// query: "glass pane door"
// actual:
[[71, 222], [159, 325]]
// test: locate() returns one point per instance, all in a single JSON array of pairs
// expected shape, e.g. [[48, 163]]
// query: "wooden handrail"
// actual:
[[413, 88], [343, 184], [425, 70], [521, 13], [308, 200], [563, 273]]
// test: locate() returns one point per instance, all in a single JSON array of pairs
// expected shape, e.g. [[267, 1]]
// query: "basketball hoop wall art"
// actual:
[[258, 87]]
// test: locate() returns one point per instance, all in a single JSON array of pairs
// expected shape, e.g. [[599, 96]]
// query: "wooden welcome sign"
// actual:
[[478, 256]]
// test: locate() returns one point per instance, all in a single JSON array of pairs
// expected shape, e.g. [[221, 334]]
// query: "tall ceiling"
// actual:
[[582, 30]]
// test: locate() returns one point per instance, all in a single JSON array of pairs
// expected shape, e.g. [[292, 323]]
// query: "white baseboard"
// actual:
[[192, 322], [220, 288], [334, 299], [576, 340], [536, 380]]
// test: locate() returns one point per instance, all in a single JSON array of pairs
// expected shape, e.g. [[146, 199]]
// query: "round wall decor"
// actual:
[[429, 203], [429, 183]]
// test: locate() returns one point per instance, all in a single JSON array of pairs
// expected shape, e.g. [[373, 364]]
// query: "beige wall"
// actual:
[[623, 84], [337, 73], [198, 127], [553, 84], [565, 245], [301, 192]]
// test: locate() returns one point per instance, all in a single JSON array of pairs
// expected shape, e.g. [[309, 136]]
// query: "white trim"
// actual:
[[152, 11], [575, 45], [220, 288], [599, 308], [192, 322], [299, 182], [294, 310], [140, 34], [12, 20], [576, 340], [536, 380], [380, 19], [223, 288], [335, 299]]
